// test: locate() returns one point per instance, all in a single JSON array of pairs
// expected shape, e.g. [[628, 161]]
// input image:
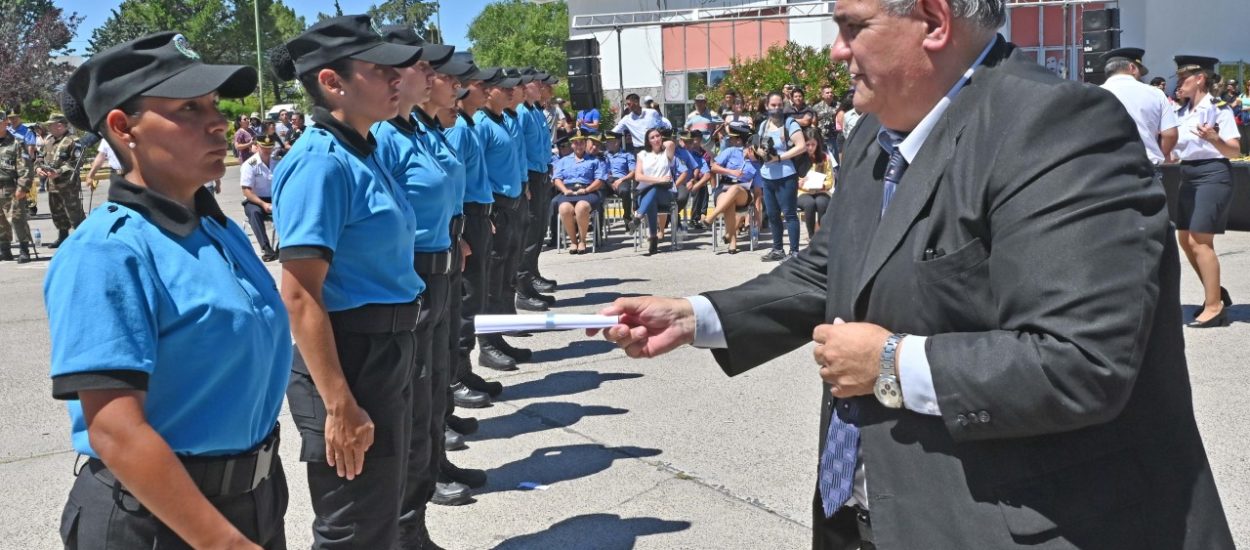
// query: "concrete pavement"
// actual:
[[667, 453]]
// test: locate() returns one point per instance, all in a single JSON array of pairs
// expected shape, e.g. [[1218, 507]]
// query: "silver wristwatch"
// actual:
[[887, 388]]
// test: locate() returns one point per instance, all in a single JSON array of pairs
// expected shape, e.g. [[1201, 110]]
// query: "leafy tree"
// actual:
[[783, 64], [521, 34], [412, 13], [338, 12], [31, 33]]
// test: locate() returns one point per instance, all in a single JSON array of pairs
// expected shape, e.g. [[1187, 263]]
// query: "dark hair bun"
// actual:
[[74, 112], [283, 65]]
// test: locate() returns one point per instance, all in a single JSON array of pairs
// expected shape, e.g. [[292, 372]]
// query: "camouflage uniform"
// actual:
[[15, 172], [60, 155]]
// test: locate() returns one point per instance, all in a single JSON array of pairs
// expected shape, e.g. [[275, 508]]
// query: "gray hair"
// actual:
[[987, 14], [1118, 65]]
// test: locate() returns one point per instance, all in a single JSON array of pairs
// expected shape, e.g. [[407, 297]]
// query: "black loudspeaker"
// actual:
[[588, 47], [1095, 78], [579, 66], [584, 102], [1100, 20], [1100, 42], [585, 84]]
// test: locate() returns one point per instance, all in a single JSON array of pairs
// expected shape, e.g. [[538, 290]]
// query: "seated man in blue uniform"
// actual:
[[620, 165]]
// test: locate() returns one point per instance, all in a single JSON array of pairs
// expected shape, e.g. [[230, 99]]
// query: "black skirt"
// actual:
[[1205, 195]]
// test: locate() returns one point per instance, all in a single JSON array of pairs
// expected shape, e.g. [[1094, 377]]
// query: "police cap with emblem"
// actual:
[[582, 135], [1189, 64], [347, 36], [500, 78], [266, 142], [436, 54], [739, 129], [156, 65], [1129, 54]]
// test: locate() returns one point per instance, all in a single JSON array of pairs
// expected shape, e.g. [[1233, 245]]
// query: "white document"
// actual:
[[495, 324], [815, 181]]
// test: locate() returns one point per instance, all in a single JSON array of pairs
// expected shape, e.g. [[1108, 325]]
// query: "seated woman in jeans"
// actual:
[[654, 174], [781, 182], [578, 178], [813, 201]]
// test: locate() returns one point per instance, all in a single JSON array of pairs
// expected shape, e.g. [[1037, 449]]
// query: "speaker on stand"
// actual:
[[585, 84], [1100, 33]]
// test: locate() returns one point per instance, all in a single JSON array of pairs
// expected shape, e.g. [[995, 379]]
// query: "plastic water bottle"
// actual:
[[755, 232], [38, 238], [681, 233]]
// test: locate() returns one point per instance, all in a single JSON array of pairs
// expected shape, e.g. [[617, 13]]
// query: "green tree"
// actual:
[[412, 13], [31, 33], [783, 64], [521, 34], [338, 12]]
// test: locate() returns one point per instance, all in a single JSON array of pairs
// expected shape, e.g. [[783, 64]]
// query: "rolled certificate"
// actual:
[[494, 324]]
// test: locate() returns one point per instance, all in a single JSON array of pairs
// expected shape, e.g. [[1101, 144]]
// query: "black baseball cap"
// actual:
[[348, 36], [157, 65], [484, 75], [514, 72], [501, 78], [436, 54], [462, 93], [1129, 54]]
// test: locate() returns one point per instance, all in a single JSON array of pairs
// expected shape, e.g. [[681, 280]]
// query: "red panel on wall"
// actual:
[[673, 44], [1024, 27], [686, 47], [776, 31]]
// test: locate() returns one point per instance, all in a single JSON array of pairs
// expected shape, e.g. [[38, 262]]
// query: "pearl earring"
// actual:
[[132, 145], [342, 92]]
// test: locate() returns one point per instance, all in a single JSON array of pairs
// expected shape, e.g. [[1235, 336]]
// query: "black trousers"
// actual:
[[379, 367], [95, 518], [839, 532], [699, 209], [537, 214], [433, 364], [256, 219], [505, 255], [475, 282], [626, 193], [813, 206]]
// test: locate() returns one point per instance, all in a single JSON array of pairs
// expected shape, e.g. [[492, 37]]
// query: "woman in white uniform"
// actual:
[[1208, 138]]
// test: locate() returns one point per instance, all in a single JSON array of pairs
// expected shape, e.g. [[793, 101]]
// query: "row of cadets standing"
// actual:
[[536, 139], [347, 240]]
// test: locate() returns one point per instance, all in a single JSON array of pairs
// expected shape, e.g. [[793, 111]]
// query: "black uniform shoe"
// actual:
[[467, 398], [6, 252], [453, 441], [547, 298], [473, 381], [654, 247], [59, 240], [544, 285], [268, 256], [1225, 297], [492, 357], [463, 426], [530, 304], [23, 257], [469, 476], [450, 493], [774, 255], [521, 355]]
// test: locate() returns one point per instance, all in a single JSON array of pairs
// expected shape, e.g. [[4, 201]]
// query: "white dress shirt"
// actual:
[[914, 371], [638, 124], [1150, 109], [257, 176], [1191, 147]]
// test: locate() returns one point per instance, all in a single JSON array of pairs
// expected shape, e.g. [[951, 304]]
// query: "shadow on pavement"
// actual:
[[596, 283], [594, 531], [597, 298], [538, 417], [575, 350], [563, 383], [551, 465]]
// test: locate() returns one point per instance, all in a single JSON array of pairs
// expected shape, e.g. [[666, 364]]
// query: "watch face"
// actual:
[[888, 392]]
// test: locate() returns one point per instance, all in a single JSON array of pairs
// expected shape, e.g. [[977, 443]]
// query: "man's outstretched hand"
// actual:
[[649, 326]]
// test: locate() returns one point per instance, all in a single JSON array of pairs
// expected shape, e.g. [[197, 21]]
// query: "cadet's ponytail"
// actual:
[[284, 68]]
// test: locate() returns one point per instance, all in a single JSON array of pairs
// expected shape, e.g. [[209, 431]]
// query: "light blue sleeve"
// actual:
[[312, 201], [602, 172], [102, 306], [723, 157], [558, 172], [916, 377], [792, 126]]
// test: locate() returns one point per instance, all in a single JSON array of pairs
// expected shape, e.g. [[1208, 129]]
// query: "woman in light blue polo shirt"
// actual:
[[346, 233], [781, 180], [169, 338]]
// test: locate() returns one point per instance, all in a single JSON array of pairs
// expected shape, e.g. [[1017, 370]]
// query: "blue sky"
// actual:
[[456, 15]]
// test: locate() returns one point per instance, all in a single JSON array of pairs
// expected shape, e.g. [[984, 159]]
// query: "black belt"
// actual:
[[1203, 161], [433, 263], [378, 318], [506, 202], [216, 476], [457, 227], [477, 209]]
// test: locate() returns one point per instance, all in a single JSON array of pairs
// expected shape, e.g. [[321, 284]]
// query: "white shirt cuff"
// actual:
[[916, 377], [708, 333]]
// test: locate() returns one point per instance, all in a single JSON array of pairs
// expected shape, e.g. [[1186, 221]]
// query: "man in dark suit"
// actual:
[[994, 299]]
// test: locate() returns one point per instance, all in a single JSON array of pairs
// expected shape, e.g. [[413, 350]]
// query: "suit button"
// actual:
[[962, 420], [985, 417], [972, 418]]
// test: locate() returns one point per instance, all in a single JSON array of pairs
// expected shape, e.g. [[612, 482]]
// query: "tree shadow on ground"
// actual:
[[594, 531]]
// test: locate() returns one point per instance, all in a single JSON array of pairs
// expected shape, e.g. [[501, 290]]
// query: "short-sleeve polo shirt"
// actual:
[[512, 123], [153, 296], [464, 139], [447, 157], [333, 200], [402, 149], [534, 134], [502, 167]]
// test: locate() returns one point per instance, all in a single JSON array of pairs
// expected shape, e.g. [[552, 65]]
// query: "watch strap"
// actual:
[[888, 354]]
